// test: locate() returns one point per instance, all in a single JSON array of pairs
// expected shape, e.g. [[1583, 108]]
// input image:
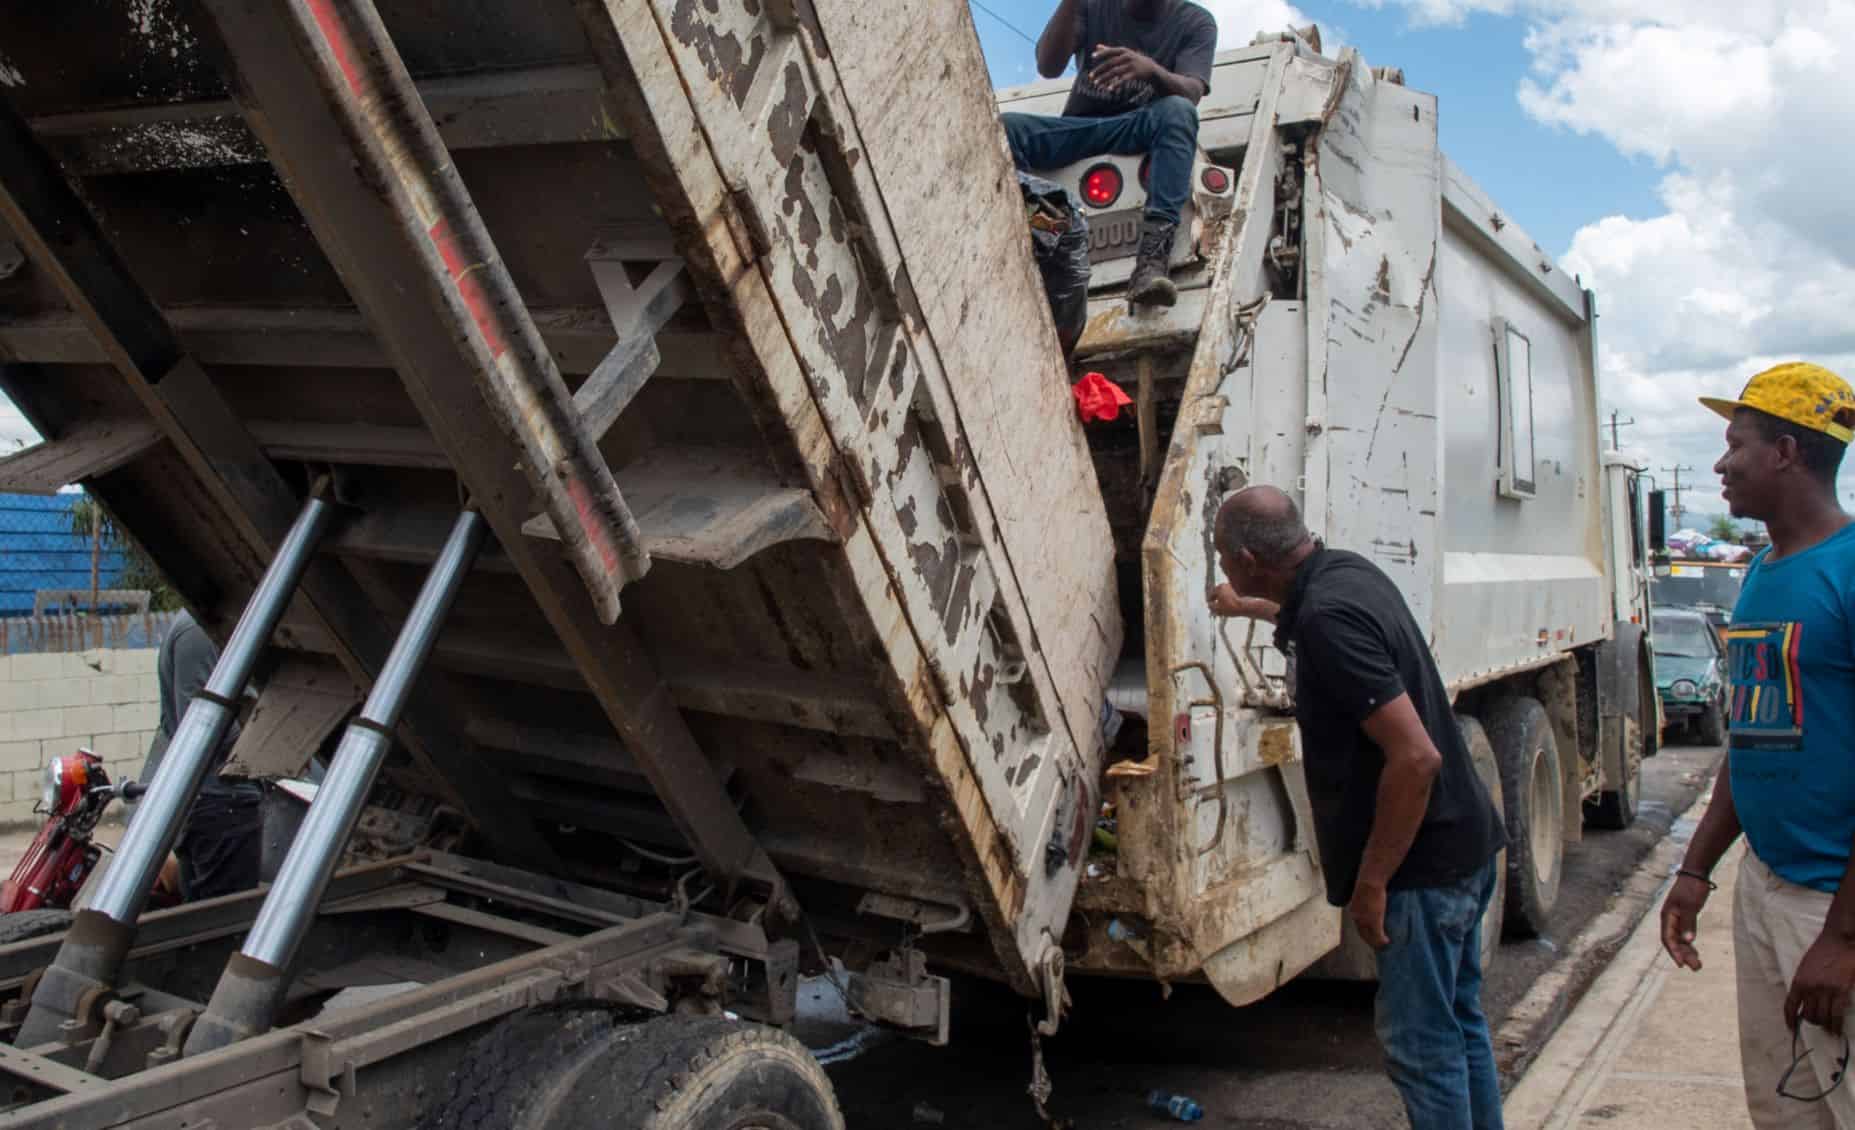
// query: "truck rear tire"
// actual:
[[1615, 809], [1489, 770], [701, 1073], [505, 1077], [1533, 800]]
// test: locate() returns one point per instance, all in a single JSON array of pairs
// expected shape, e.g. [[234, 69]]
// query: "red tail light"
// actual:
[[1101, 186], [1215, 180]]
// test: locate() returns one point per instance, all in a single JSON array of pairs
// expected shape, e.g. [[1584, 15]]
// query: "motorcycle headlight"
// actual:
[[1684, 688], [54, 784]]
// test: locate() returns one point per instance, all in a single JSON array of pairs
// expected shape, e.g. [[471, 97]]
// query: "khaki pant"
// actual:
[[1774, 922]]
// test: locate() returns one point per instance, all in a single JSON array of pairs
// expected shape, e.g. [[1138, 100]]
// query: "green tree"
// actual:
[[90, 520], [1723, 529]]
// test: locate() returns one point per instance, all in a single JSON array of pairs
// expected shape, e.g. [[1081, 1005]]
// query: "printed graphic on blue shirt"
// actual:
[[1767, 704]]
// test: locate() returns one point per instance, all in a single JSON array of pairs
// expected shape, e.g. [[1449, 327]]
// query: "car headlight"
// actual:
[[54, 784], [1684, 688]]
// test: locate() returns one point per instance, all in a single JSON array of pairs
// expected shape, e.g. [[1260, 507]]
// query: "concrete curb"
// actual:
[[1536, 1016]]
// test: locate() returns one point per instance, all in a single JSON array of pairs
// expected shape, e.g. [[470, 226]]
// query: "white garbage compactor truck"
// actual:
[[629, 439]]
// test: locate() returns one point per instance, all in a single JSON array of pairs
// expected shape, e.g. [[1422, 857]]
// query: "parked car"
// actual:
[[1690, 672]]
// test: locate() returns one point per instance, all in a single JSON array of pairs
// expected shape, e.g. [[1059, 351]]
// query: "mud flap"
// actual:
[[1619, 702], [1251, 968]]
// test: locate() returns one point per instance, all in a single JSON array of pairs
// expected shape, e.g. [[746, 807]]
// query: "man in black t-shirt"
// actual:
[[1141, 68], [1408, 835]]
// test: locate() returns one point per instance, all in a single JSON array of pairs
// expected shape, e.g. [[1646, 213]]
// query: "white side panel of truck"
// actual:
[[1374, 463], [1524, 575]]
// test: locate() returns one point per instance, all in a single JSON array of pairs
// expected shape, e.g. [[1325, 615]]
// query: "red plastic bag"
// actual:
[[1098, 398]]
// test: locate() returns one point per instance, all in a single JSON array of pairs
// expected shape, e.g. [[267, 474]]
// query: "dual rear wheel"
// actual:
[[588, 1066]]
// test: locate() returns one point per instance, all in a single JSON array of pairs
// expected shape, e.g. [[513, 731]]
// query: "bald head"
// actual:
[[1263, 521]]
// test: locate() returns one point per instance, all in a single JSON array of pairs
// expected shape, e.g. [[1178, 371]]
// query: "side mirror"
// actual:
[[1658, 520]]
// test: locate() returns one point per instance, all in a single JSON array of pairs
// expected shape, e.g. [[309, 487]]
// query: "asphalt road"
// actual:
[[1305, 1059]]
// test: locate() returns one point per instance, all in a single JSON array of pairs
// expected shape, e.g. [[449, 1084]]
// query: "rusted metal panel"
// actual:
[[93, 448], [66, 243], [789, 224], [578, 337], [303, 701], [711, 507], [545, 105], [367, 89], [472, 362]]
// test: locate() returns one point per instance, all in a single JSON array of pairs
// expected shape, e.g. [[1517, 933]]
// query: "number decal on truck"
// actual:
[[1114, 236]]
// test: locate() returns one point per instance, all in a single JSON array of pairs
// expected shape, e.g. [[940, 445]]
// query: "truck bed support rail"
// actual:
[[92, 955], [300, 102], [369, 91], [256, 978]]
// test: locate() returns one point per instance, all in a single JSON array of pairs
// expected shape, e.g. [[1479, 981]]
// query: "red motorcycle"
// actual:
[[62, 856]]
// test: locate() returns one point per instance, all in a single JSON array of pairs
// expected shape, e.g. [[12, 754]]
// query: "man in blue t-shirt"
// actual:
[[1789, 783]]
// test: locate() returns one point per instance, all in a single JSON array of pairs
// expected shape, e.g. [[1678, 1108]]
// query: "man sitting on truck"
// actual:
[[1408, 835], [1142, 66], [1789, 780]]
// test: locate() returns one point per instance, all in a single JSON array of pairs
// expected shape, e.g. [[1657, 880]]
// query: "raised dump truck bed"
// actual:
[[794, 563], [653, 407]]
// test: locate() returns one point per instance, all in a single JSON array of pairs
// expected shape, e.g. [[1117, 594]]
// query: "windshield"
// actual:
[[1683, 637], [1699, 584]]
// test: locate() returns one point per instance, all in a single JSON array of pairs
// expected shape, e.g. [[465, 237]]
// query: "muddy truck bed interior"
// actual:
[[780, 560]]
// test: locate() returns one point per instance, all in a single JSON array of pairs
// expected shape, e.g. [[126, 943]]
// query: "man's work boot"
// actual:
[[1152, 284]]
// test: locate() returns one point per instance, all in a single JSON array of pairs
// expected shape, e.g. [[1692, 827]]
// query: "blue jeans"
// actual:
[[1166, 128], [1437, 1049]]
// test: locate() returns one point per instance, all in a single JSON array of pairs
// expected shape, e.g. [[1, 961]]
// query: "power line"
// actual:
[[1616, 426], [1014, 27], [1679, 511]]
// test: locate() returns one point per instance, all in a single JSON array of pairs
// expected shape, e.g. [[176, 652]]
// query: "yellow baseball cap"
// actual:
[[1807, 395]]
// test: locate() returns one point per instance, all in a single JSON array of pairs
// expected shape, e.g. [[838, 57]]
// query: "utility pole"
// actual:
[[1676, 510], [1617, 425]]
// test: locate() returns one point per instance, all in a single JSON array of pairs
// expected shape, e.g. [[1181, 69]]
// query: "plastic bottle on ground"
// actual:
[[1176, 1106]]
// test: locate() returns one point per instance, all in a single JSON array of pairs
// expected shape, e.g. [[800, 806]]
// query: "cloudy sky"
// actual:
[[1690, 159]]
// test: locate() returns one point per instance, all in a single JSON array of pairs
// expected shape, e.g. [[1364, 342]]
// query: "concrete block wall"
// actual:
[[53, 703]]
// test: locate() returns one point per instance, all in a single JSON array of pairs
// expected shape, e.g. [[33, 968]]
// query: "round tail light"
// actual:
[[1215, 180], [1101, 186]]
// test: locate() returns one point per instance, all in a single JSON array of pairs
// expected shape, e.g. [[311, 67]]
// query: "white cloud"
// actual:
[[15, 432], [1745, 107], [1239, 21]]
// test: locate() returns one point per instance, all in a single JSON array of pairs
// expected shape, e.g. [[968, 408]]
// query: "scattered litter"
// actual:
[[1098, 398], [1060, 245], [927, 1116], [1546, 944], [848, 1049], [1177, 1107], [1111, 720]]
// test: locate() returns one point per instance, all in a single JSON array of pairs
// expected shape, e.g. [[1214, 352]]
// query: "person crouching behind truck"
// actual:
[[1408, 835], [221, 848], [1789, 780], [1142, 67]]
